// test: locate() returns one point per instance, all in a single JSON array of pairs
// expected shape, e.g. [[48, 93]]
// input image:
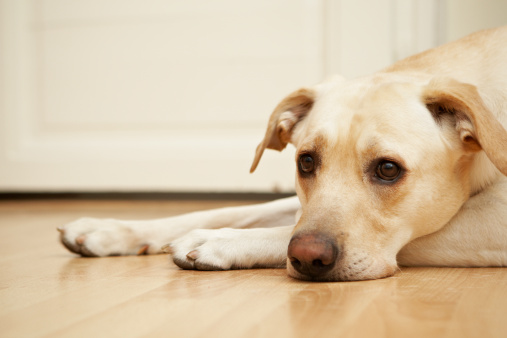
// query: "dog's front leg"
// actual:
[[224, 249], [475, 237], [107, 237]]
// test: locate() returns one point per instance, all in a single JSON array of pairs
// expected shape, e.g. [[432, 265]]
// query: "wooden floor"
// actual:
[[46, 291]]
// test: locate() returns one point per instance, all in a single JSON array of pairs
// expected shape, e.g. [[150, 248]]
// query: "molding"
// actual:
[[363, 36], [144, 196], [41, 152], [417, 25]]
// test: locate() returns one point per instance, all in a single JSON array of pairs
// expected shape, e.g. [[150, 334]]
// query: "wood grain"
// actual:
[[47, 292]]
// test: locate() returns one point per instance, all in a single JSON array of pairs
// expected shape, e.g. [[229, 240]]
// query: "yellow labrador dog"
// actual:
[[406, 166]]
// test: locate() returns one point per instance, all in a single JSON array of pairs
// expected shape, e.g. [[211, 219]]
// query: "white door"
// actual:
[[151, 95]]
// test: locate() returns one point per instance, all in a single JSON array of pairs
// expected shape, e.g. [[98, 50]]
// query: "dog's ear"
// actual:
[[478, 128], [281, 124]]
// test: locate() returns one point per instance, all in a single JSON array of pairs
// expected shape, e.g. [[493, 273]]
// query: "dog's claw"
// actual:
[[80, 239], [143, 250], [193, 255], [167, 249]]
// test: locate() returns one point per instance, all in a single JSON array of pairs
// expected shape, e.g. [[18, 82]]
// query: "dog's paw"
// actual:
[[92, 237], [206, 250]]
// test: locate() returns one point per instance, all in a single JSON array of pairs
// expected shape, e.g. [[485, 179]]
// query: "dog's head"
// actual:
[[379, 163]]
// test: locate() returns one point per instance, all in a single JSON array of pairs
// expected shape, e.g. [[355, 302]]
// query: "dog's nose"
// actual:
[[312, 254]]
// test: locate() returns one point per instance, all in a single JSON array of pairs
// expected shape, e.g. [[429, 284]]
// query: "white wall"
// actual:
[[159, 95], [467, 16]]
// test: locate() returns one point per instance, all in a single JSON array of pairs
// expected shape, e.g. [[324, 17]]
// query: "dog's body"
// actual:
[[403, 167]]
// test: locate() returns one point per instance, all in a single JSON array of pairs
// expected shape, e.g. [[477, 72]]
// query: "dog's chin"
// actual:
[[347, 274]]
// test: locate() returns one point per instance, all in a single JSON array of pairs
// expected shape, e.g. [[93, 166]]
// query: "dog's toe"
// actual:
[[168, 248], [143, 250], [185, 264], [71, 246], [86, 252], [202, 250], [91, 237], [203, 266], [80, 239], [193, 262], [193, 255]]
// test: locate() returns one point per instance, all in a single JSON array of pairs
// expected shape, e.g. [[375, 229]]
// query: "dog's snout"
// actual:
[[312, 254]]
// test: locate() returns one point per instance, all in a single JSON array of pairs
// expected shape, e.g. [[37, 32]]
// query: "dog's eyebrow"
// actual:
[[315, 146], [378, 148], [309, 149]]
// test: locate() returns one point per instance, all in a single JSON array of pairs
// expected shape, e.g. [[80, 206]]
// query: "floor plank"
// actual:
[[47, 292]]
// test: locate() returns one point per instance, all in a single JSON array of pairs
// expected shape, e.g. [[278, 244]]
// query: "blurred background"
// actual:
[[174, 96]]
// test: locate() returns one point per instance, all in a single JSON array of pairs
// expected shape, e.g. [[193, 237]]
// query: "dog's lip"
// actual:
[[333, 279], [296, 275], [326, 277], [381, 271]]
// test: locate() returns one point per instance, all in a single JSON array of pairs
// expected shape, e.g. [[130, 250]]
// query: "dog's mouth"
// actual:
[[323, 256], [362, 268]]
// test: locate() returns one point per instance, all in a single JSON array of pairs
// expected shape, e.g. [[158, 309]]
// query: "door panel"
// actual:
[[166, 95]]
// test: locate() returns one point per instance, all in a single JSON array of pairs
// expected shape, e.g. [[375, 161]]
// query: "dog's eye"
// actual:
[[387, 171], [306, 163]]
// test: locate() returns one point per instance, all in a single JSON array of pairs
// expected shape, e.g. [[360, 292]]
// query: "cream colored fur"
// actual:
[[441, 115]]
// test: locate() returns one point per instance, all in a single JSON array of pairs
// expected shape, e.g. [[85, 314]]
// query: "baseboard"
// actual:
[[206, 196]]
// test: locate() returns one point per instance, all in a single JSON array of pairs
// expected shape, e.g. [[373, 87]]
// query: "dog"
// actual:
[[406, 167]]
